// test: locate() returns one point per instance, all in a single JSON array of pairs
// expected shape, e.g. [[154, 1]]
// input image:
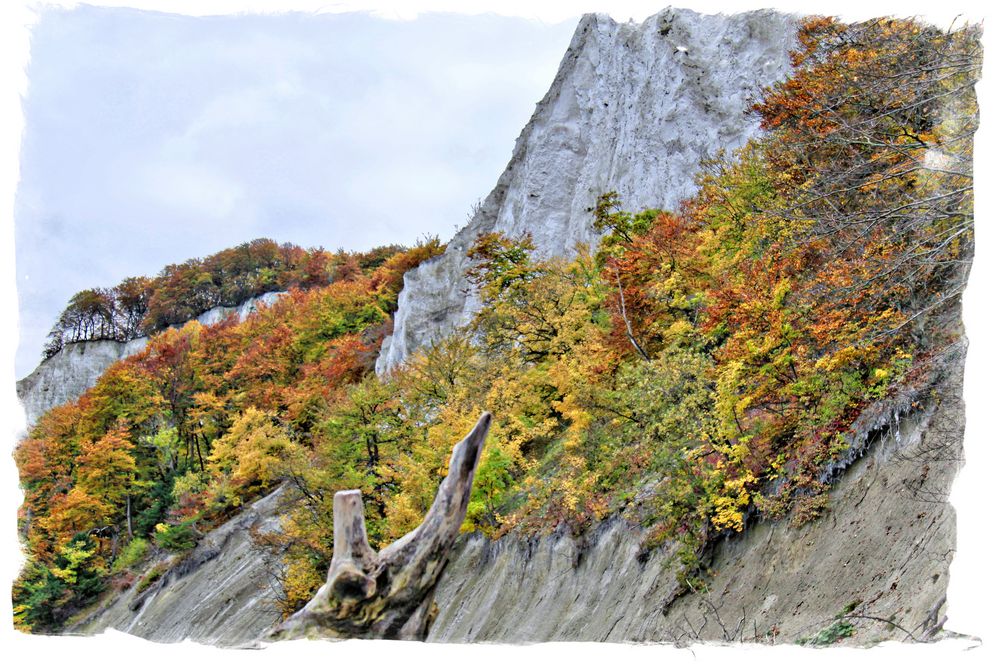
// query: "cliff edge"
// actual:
[[633, 108], [75, 368]]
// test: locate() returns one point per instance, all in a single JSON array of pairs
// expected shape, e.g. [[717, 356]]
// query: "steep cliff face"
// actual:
[[219, 594], [75, 368], [633, 108]]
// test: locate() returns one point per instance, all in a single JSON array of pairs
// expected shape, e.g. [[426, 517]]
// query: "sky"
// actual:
[[151, 138], [132, 138]]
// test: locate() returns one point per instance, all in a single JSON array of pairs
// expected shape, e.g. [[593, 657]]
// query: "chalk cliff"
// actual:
[[77, 366], [633, 108], [884, 547]]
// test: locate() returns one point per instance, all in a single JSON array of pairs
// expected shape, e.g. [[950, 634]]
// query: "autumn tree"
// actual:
[[252, 452], [107, 471], [875, 134]]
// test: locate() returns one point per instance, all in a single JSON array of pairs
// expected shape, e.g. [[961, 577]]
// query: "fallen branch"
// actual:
[[390, 594]]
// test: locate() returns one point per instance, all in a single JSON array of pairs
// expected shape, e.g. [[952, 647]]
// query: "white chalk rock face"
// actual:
[[64, 376], [633, 108], [243, 310], [77, 366]]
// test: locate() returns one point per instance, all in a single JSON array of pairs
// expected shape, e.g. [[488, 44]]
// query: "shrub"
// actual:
[[179, 537], [133, 552], [122, 582], [831, 634], [154, 575]]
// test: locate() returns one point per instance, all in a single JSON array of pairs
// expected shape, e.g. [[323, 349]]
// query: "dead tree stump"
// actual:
[[389, 594]]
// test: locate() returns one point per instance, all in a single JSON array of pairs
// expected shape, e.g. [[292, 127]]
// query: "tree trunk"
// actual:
[[197, 445], [390, 594], [128, 514], [628, 325]]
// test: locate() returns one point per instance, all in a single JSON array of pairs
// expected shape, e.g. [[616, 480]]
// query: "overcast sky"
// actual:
[[151, 138]]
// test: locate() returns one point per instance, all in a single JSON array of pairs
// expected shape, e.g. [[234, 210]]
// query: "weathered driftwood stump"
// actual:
[[390, 594]]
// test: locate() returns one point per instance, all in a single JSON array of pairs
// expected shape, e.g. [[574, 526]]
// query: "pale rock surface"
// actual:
[[633, 108], [221, 593], [75, 368]]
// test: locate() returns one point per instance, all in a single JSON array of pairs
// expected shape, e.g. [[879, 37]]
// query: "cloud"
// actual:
[[187, 189], [152, 138]]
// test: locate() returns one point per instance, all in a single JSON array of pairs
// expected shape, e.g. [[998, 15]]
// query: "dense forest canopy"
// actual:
[[701, 368], [138, 306]]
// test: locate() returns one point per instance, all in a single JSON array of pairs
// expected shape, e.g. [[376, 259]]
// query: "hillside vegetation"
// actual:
[[701, 368], [139, 306]]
